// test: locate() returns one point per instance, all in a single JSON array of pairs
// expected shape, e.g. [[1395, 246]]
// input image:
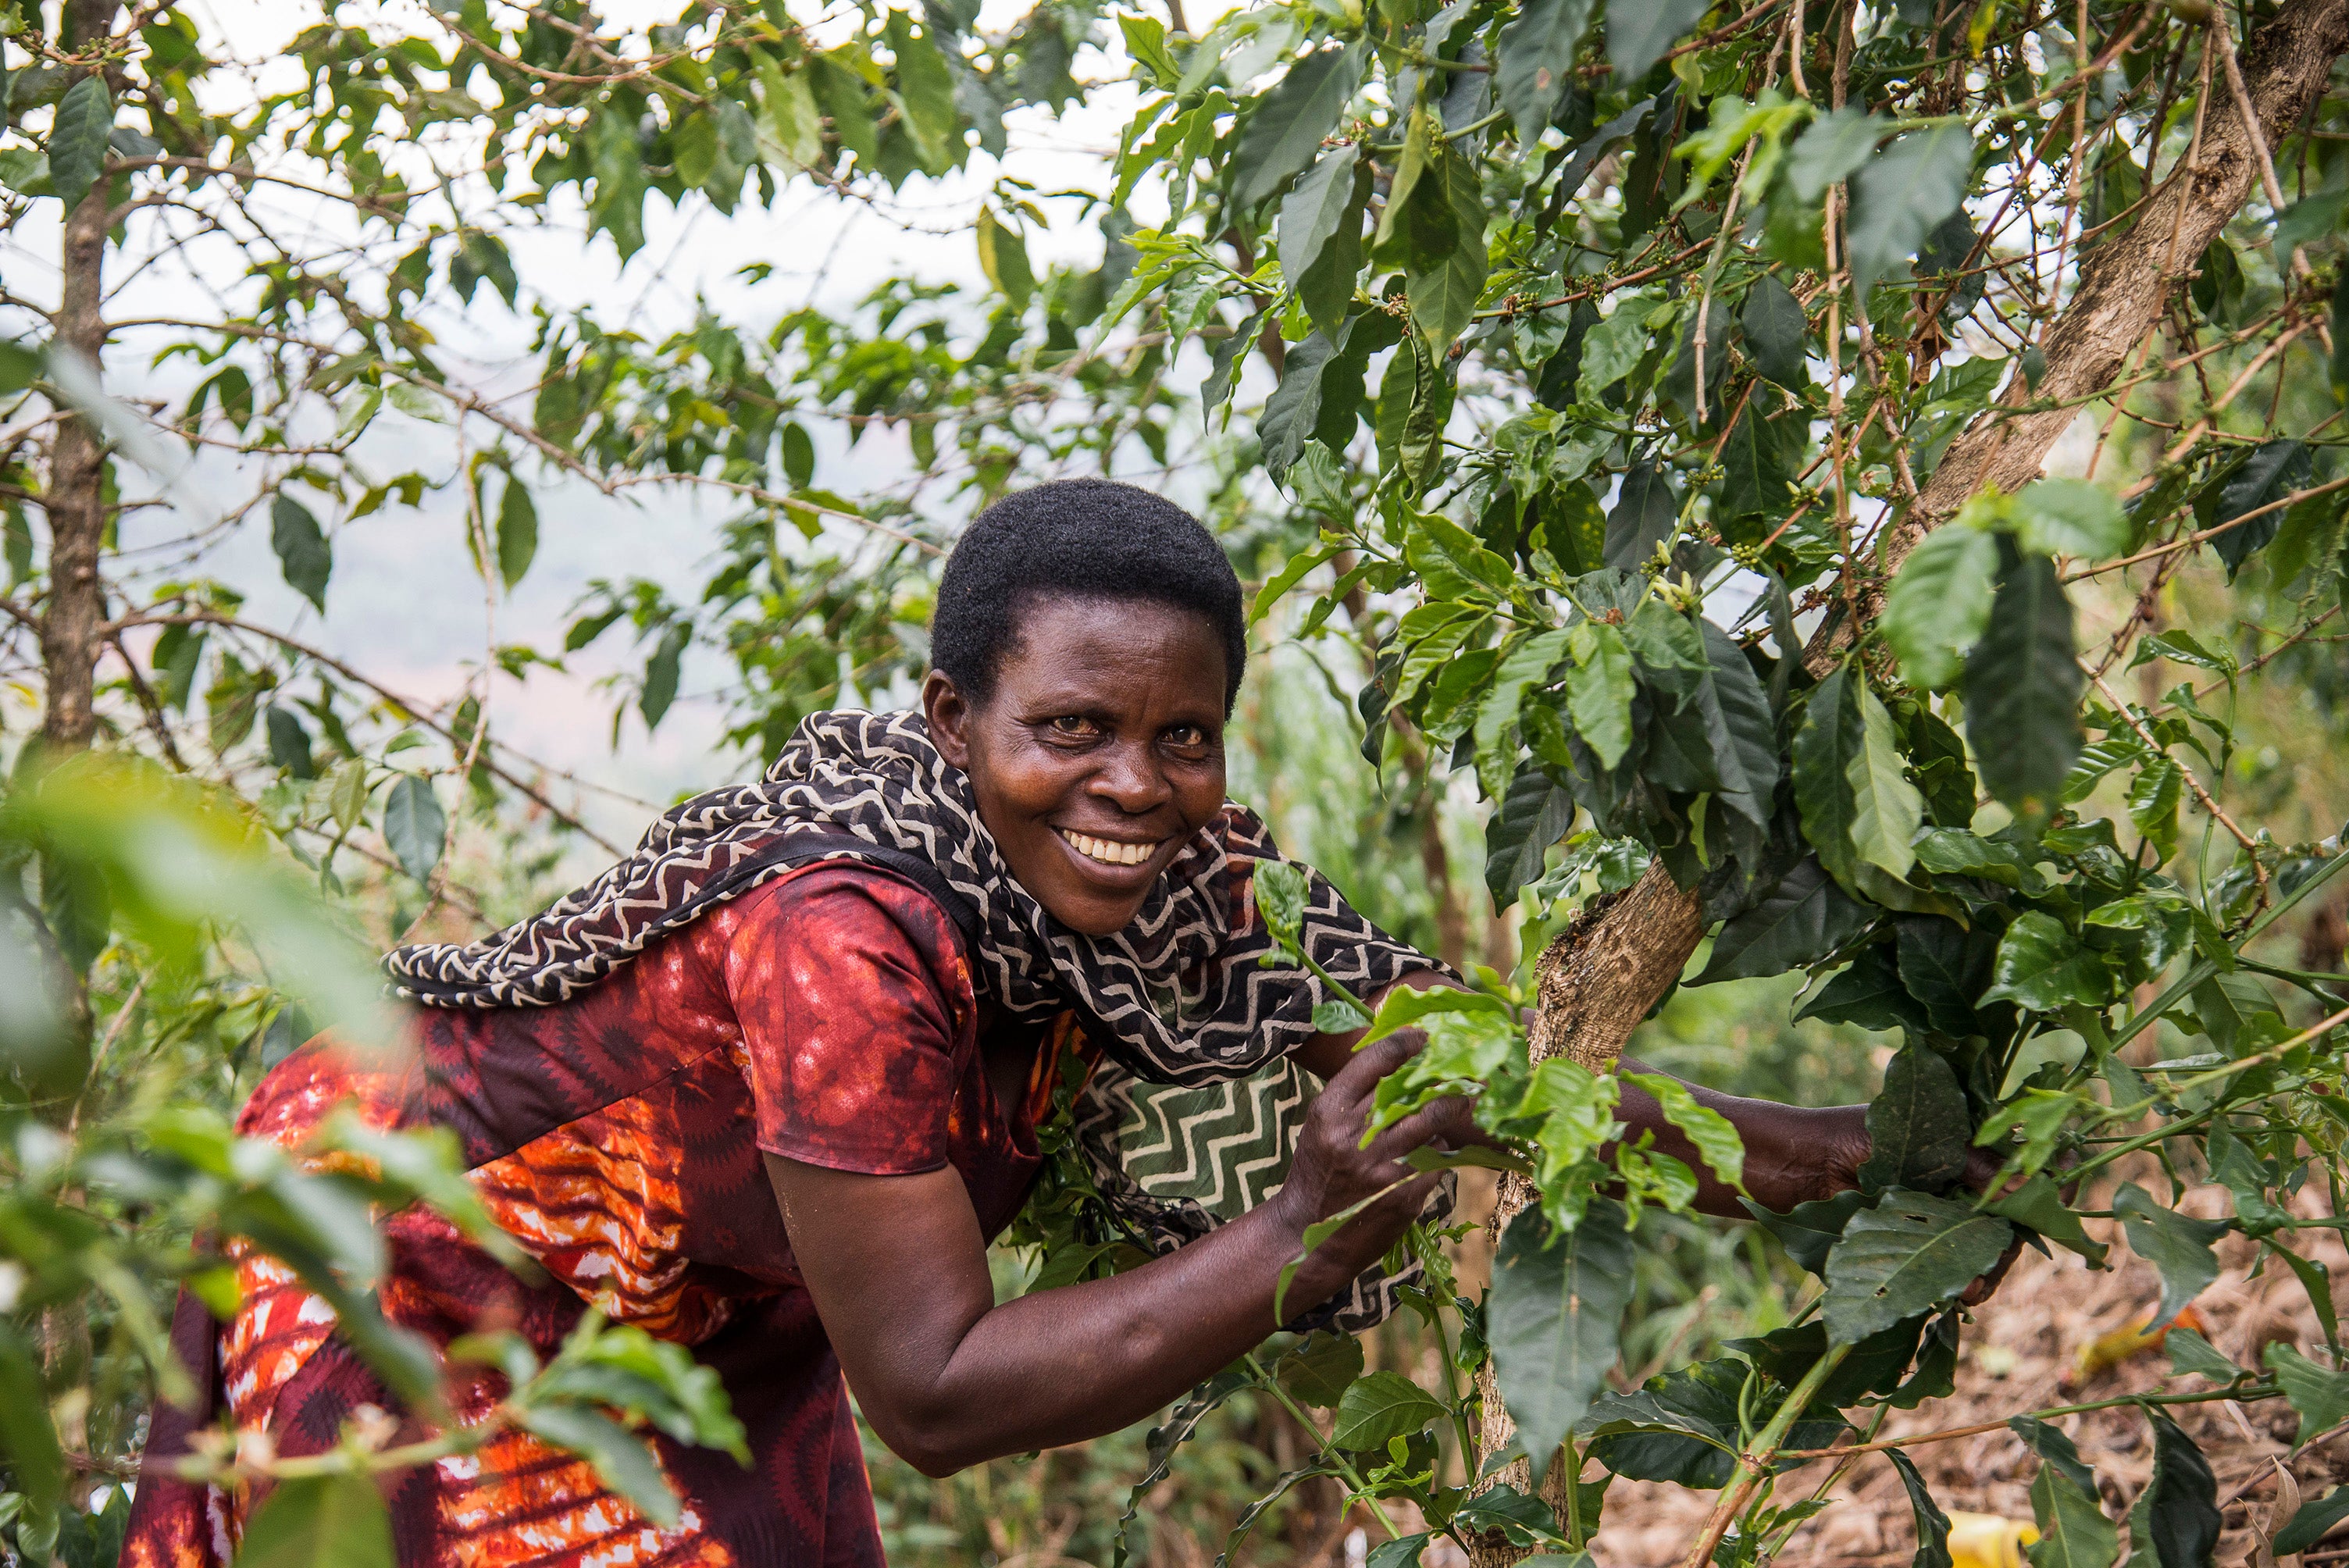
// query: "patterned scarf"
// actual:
[[1179, 994], [1194, 1119]]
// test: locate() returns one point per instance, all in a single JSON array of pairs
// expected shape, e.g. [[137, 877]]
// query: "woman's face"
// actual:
[[1100, 752]]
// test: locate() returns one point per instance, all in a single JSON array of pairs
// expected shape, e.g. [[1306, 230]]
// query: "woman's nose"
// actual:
[[1130, 779]]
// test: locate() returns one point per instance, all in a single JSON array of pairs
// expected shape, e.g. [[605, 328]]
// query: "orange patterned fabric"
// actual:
[[829, 1017]]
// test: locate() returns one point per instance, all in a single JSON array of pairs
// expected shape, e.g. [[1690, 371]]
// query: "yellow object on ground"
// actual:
[[2110, 1349], [1988, 1540]]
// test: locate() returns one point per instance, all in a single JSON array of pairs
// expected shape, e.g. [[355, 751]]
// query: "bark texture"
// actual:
[[1598, 978], [2126, 282], [75, 502]]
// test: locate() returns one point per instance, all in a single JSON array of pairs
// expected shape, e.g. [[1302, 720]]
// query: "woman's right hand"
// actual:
[[1332, 1170]]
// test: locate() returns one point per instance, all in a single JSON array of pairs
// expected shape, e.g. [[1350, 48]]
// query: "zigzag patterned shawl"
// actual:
[[1197, 1115], [1179, 994]]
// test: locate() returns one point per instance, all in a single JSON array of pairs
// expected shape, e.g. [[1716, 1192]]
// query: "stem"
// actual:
[[2258, 1391], [2203, 968], [1321, 1444], [1755, 1461]]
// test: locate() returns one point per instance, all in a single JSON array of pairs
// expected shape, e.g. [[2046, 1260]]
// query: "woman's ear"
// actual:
[[949, 718]]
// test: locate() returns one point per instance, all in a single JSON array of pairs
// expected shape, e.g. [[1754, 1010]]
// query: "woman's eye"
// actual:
[[1187, 734], [1075, 727]]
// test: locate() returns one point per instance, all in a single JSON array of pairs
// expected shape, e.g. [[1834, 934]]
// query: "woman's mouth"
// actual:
[[1109, 852]]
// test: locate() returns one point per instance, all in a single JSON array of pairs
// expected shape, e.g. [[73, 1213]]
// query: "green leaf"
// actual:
[[1291, 413], [926, 89], [1401, 1553], [1834, 146], [1612, 349], [1669, 649], [1918, 1127], [1933, 1524], [1536, 62], [799, 456], [1554, 1316], [1645, 510], [1281, 888], [1380, 1407], [1939, 603], [303, 553], [1900, 195], [1145, 44], [1532, 815], [2272, 472], [320, 1521], [621, 1459], [618, 165], [2072, 1530], [1851, 782], [85, 118], [1598, 690], [517, 532], [1637, 36], [2190, 1353], [1280, 139], [1810, 1231], [2038, 1205], [289, 743], [2180, 1506], [2055, 1447], [1804, 918], [36, 1463], [661, 673], [1869, 992], [2320, 1397], [1003, 257], [1710, 1132], [2022, 690], [2311, 1524], [1318, 1371], [2071, 517], [1739, 725], [1775, 329], [1910, 1254], [1322, 219], [414, 826], [1444, 288], [789, 109], [2176, 1244], [2042, 965]]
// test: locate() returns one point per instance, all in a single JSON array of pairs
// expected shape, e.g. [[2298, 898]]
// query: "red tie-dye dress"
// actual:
[[828, 1017]]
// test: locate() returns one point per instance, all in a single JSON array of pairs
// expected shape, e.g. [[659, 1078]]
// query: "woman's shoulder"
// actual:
[[836, 905]]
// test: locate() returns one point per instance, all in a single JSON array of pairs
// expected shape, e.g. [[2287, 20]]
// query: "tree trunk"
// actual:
[[1599, 978], [76, 496]]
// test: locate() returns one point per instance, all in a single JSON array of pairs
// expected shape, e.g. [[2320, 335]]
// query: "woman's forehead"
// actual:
[[1087, 638]]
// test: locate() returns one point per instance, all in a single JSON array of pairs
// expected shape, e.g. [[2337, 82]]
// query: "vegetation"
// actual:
[[1649, 462]]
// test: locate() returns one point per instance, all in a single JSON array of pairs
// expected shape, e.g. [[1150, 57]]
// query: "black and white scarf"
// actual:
[[1178, 1000], [1179, 995]]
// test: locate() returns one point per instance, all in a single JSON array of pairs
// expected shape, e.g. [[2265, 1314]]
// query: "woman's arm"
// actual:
[[898, 1270], [1793, 1153]]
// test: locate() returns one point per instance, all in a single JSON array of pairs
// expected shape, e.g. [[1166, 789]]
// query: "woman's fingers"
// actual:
[[1359, 1079], [1445, 1124]]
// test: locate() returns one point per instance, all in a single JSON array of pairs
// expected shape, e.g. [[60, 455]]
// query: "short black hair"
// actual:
[[1090, 539]]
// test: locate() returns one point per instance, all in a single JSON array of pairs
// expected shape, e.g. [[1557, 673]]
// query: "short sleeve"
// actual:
[[854, 998]]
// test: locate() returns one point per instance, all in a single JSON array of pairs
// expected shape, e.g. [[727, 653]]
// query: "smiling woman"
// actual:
[[767, 1089]]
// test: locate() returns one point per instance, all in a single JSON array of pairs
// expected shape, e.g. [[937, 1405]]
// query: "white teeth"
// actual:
[[1109, 852]]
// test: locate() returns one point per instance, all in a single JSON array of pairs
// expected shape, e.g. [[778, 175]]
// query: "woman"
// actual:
[[768, 1088]]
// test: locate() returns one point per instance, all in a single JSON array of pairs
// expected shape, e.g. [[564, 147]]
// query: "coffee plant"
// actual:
[[1670, 388], [1657, 399]]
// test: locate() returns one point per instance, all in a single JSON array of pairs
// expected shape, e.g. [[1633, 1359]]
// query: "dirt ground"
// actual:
[[2015, 1356]]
